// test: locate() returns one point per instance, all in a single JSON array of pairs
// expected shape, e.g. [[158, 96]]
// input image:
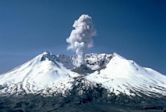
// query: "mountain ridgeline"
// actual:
[[103, 83]]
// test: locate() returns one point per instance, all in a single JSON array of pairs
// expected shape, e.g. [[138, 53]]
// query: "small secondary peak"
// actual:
[[47, 56]]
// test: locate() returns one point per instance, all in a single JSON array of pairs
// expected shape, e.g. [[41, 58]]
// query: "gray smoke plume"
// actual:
[[80, 38]]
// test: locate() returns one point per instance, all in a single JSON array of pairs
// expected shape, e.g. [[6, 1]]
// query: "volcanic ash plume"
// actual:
[[80, 38]]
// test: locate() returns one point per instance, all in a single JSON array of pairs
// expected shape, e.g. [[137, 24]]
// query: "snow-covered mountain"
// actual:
[[125, 76], [48, 74], [38, 76]]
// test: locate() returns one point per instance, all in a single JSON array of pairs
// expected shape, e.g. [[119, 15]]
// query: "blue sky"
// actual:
[[136, 29]]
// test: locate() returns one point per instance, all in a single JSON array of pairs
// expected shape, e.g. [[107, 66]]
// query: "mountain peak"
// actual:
[[46, 56], [114, 54], [45, 53]]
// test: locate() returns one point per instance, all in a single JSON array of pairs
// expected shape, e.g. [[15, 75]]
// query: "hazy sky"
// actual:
[[136, 29]]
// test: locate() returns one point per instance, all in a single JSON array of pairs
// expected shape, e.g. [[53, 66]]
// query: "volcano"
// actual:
[[52, 83]]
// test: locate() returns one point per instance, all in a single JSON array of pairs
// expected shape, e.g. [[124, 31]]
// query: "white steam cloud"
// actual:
[[80, 38]]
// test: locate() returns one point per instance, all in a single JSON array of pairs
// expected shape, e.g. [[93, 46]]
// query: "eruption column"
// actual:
[[80, 38]]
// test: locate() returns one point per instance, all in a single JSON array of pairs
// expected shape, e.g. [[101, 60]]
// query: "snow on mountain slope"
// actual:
[[47, 74], [125, 76], [39, 73]]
